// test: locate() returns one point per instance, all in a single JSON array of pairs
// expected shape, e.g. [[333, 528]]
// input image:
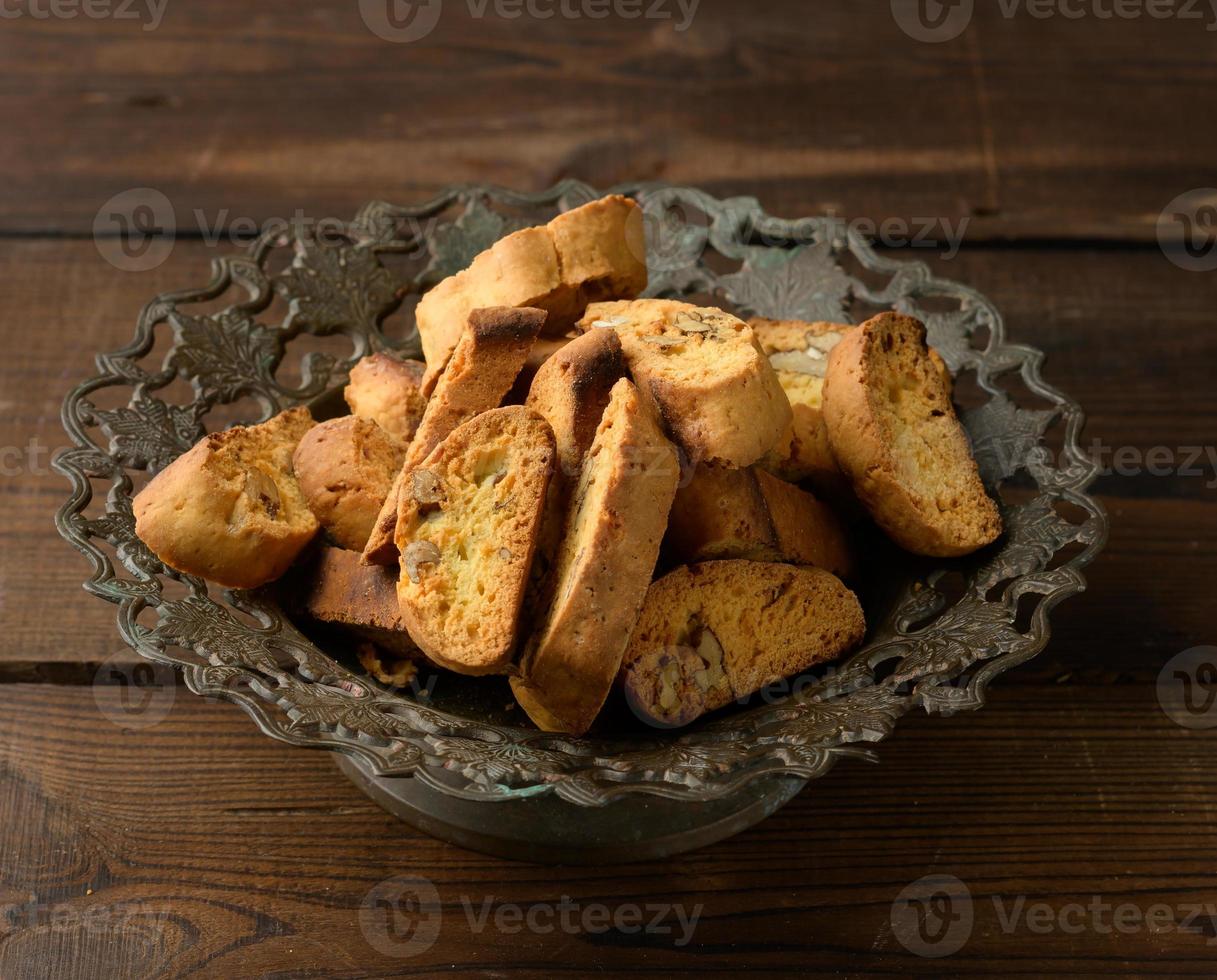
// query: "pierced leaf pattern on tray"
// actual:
[[925, 648], [331, 287], [149, 433], [805, 284], [229, 354]]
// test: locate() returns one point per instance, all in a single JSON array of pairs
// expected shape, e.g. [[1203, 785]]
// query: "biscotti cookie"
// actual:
[[572, 389], [467, 530], [591, 253], [603, 567], [727, 513], [230, 509], [894, 432], [542, 351], [816, 339], [703, 372], [493, 347], [716, 632], [345, 467], [389, 391], [798, 352], [339, 590]]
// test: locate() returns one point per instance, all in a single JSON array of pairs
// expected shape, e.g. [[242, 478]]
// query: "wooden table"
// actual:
[[199, 847]]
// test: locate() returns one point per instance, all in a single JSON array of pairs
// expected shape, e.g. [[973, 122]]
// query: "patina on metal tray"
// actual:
[[246, 345]]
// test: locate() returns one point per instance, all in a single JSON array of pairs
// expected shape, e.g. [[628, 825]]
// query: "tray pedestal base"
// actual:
[[547, 830]]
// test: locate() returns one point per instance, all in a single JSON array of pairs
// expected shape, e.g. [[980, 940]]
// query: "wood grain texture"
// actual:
[[146, 832], [210, 850], [1028, 127]]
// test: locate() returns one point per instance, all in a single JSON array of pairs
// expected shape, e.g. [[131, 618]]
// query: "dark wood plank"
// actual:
[[198, 845], [1113, 323], [1026, 127]]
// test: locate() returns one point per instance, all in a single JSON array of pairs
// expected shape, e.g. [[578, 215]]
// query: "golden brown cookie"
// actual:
[[467, 529], [703, 373], [389, 391], [341, 591], [603, 567], [591, 253], [230, 509], [894, 431], [345, 467], [727, 513], [712, 633], [492, 349]]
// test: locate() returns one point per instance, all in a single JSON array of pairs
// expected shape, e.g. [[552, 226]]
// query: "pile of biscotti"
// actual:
[[504, 507]]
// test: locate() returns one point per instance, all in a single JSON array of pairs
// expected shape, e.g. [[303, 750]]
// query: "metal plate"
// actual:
[[282, 325]]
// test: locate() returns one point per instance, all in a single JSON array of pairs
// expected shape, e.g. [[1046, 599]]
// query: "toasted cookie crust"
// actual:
[[703, 373], [230, 509], [467, 530], [894, 432], [339, 590], [389, 391], [721, 630], [482, 369], [591, 253], [726, 513], [607, 555], [345, 467]]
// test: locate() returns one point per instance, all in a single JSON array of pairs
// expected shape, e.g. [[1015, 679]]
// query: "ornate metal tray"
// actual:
[[282, 324]]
